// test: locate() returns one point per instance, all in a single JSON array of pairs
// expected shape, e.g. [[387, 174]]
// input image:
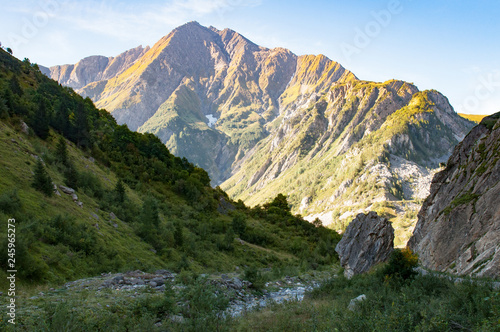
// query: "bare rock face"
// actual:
[[94, 68], [368, 240], [458, 228]]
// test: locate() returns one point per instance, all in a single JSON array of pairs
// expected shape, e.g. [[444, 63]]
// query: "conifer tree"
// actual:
[[178, 236], [149, 213], [42, 181], [120, 191], [62, 151], [40, 121]]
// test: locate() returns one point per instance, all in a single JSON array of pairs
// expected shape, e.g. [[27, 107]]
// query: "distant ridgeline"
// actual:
[[91, 196]]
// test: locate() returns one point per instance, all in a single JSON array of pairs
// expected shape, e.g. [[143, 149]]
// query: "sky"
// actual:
[[452, 46]]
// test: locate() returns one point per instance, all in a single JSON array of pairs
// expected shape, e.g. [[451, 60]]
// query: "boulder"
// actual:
[[24, 128], [353, 302], [368, 240], [67, 190]]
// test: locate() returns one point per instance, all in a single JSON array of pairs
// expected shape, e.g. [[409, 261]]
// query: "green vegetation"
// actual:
[[340, 156], [136, 206], [460, 200], [397, 299], [42, 181], [491, 120]]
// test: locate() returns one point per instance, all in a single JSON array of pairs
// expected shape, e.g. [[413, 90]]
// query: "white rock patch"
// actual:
[[211, 120]]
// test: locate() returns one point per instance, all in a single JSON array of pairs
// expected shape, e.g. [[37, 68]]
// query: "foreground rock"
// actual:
[[458, 228], [368, 240]]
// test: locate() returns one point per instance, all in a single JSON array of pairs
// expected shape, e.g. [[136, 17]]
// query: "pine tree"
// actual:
[[120, 191], [81, 127], [42, 181], [62, 121], [40, 121], [149, 213], [62, 151], [4, 110], [71, 176], [178, 236], [150, 220]]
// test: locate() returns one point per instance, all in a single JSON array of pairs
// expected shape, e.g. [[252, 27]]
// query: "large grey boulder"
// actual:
[[368, 240]]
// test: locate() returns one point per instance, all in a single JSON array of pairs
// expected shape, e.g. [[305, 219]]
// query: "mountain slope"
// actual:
[[356, 148], [121, 200], [95, 68], [459, 224]]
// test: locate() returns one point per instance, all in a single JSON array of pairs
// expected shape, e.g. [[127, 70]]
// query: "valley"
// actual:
[[266, 121], [207, 183]]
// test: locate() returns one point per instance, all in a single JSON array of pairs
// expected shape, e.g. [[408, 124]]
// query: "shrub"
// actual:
[[401, 265], [205, 306], [10, 202], [239, 224], [91, 184], [255, 277]]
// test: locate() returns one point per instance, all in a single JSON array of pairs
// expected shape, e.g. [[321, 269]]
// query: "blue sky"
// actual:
[[448, 45]]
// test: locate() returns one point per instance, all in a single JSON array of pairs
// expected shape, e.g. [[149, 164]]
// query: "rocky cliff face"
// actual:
[[94, 68], [357, 147], [458, 229]]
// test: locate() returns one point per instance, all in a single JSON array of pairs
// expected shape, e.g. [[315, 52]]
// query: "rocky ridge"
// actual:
[[458, 228]]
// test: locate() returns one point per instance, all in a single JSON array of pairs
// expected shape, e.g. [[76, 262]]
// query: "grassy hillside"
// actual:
[[137, 205]]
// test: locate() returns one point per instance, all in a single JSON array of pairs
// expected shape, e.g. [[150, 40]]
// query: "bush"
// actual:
[[10, 202], [239, 224], [91, 184], [205, 306], [255, 277], [401, 265]]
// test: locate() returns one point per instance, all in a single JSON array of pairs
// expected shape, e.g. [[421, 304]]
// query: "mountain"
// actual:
[[459, 224], [358, 147], [208, 94], [90, 196], [95, 68], [266, 121]]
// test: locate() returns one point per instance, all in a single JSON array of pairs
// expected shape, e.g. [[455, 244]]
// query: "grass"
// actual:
[[422, 303], [411, 303]]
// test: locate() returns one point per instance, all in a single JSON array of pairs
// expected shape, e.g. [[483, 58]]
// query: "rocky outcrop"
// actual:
[[458, 228], [368, 240], [94, 68]]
